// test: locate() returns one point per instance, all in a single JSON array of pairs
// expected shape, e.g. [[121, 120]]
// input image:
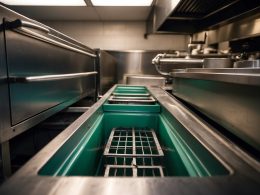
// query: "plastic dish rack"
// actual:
[[133, 152]]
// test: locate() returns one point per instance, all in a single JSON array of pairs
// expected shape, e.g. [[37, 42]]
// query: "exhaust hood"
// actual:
[[191, 16]]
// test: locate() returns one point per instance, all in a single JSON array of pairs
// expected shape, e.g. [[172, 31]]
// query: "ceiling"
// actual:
[[84, 13]]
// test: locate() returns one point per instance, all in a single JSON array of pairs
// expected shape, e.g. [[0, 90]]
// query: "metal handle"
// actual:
[[50, 77], [20, 23], [35, 26]]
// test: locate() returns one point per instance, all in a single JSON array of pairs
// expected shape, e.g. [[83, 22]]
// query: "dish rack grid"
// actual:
[[133, 152], [131, 100]]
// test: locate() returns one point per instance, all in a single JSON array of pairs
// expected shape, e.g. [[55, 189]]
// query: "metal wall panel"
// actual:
[[107, 69], [137, 63]]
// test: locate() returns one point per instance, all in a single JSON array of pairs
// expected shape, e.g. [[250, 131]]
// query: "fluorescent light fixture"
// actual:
[[122, 2], [174, 3], [45, 2]]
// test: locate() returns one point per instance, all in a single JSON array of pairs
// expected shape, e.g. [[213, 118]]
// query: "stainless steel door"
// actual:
[[4, 105], [44, 71]]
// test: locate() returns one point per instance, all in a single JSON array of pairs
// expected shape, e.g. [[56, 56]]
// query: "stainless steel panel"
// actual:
[[4, 105], [217, 63], [248, 27], [6, 160], [228, 75], [28, 57], [191, 16], [136, 63], [163, 9], [52, 77], [25, 27], [245, 179], [34, 51], [147, 80], [230, 99], [221, 70], [247, 64], [107, 68], [5, 166]]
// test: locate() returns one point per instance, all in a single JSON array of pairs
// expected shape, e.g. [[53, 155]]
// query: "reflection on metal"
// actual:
[[31, 52], [163, 9], [22, 23], [76, 109], [228, 96], [53, 41], [249, 27], [51, 77], [131, 94], [245, 178], [6, 161], [197, 15], [135, 63], [107, 71], [242, 71], [147, 80], [131, 100], [217, 63], [247, 64], [228, 75], [164, 59]]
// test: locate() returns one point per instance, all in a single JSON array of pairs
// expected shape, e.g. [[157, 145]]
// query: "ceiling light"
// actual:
[[45, 2], [122, 2]]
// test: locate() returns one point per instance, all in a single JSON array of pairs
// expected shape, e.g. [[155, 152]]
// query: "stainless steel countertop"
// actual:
[[243, 179], [230, 75]]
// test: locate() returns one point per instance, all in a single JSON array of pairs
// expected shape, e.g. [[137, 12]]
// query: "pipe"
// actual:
[[164, 59]]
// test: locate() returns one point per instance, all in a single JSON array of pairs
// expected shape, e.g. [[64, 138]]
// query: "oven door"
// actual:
[[45, 70]]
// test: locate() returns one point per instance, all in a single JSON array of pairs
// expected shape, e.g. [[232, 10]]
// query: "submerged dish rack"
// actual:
[[133, 152], [132, 95], [131, 100]]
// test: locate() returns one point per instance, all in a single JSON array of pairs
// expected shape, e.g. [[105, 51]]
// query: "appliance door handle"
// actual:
[[54, 77], [21, 23]]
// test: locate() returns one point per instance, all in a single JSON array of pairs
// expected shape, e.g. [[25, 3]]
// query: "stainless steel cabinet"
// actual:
[[42, 72], [31, 57]]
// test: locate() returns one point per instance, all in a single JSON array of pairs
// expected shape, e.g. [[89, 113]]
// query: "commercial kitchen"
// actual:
[[136, 97]]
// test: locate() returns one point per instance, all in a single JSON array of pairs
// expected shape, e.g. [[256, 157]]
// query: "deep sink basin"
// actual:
[[82, 154]]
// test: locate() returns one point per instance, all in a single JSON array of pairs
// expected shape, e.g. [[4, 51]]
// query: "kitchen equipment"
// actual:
[[131, 100], [46, 72], [133, 152], [229, 96], [217, 63], [191, 149], [247, 64], [148, 80], [106, 68], [133, 145], [190, 61], [131, 95], [42, 72]]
